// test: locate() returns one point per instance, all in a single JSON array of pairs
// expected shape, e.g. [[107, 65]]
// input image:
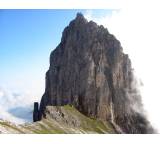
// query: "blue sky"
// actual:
[[27, 38]]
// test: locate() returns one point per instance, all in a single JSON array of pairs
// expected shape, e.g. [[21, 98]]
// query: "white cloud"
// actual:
[[16, 107], [4, 115], [138, 27]]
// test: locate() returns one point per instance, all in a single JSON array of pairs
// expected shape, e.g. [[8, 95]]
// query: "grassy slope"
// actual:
[[51, 126]]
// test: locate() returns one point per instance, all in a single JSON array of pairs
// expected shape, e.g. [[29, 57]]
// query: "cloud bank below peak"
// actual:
[[16, 107]]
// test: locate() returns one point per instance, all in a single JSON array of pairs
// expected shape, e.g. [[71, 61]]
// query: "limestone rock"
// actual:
[[89, 70]]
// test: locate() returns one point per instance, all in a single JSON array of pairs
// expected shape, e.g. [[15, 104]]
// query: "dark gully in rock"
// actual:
[[89, 70]]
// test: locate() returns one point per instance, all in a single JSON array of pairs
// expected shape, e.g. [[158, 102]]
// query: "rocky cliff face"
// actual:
[[89, 70]]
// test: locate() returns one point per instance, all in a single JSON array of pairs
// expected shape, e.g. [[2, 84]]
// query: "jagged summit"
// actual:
[[80, 16], [80, 19], [89, 70]]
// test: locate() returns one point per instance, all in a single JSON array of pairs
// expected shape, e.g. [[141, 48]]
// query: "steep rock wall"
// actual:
[[89, 70]]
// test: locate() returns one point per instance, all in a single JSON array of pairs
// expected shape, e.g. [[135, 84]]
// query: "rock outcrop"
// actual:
[[89, 70], [36, 114], [59, 120]]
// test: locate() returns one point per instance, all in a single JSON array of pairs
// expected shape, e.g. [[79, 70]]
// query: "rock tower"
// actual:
[[89, 70]]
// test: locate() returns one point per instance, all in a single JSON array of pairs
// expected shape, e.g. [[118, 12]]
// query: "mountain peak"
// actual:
[[79, 15], [89, 70], [80, 18]]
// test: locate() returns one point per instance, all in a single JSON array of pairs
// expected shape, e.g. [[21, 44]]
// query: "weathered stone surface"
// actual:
[[89, 70]]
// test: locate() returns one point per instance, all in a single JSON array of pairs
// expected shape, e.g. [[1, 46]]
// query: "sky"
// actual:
[[27, 38]]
